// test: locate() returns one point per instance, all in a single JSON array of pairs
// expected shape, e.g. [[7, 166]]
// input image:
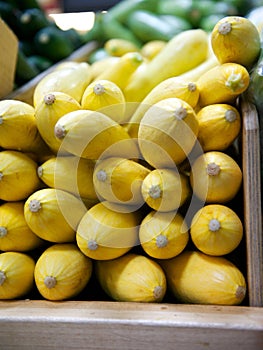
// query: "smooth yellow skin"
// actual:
[[18, 176], [119, 180], [71, 174], [91, 134], [165, 189], [98, 67], [150, 49], [18, 270], [167, 132], [236, 39], [18, 128], [212, 239], [133, 278], [18, 236], [105, 233], [222, 84], [70, 268], [198, 278], [106, 97], [71, 80], [47, 114], [58, 216], [169, 88], [119, 47], [183, 52], [219, 125], [163, 235], [219, 188], [122, 70]]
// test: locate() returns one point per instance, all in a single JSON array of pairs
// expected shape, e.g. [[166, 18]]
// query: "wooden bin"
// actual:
[[41, 324]]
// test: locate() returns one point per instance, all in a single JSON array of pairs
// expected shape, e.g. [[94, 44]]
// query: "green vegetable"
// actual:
[[25, 70], [255, 89], [123, 9], [10, 15], [41, 63], [51, 43], [97, 55], [114, 29], [31, 21], [149, 26]]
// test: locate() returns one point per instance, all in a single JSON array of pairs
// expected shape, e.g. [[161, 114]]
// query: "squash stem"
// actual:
[[213, 169], [3, 231], [50, 282], [161, 241], [99, 89], [34, 205], [214, 225], [234, 82], [49, 99], [155, 191], [158, 291], [2, 277]]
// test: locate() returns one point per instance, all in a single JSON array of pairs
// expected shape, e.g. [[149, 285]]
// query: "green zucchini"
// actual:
[[51, 43], [25, 70], [96, 32], [255, 89], [149, 26], [123, 9], [114, 29], [31, 21]]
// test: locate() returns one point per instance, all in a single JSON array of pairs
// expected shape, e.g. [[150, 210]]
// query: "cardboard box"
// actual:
[[8, 57]]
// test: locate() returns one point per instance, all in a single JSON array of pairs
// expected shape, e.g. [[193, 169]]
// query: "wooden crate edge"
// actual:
[[252, 202]]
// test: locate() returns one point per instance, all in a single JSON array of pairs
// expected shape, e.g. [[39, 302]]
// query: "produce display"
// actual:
[[123, 179], [41, 42], [140, 21]]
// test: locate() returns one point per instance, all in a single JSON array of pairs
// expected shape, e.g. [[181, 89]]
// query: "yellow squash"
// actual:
[[106, 97], [168, 88], [121, 71], [183, 52], [133, 278], [15, 235], [165, 189], [18, 128], [16, 275], [215, 177], [167, 132], [119, 180], [197, 278], [50, 108], [53, 214], [105, 233], [163, 235], [91, 134], [195, 73], [18, 176], [151, 48], [71, 174], [71, 80], [98, 67], [222, 84], [119, 47], [62, 272], [216, 230], [219, 126], [236, 39]]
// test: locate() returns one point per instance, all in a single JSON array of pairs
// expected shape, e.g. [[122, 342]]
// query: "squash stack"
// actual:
[[130, 180]]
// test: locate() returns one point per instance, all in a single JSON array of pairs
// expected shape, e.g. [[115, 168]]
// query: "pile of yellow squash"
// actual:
[[121, 169]]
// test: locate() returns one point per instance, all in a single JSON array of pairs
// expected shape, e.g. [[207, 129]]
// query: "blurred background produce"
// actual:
[[48, 31]]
